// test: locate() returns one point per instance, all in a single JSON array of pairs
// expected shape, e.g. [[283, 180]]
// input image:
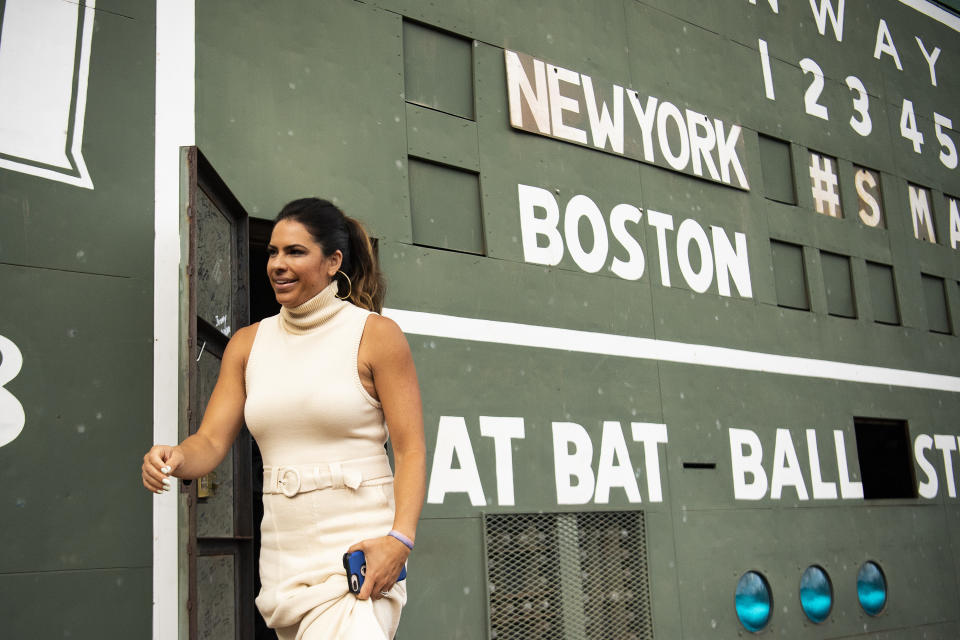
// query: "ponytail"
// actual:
[[333, 231], [366, 279]]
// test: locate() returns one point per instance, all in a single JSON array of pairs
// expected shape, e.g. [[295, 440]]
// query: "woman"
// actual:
[[319, 386]]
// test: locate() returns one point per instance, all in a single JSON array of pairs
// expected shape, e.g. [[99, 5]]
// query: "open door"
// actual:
[[220, 562]]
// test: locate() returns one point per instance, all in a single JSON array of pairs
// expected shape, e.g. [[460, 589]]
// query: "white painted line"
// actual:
[[526, 335], [175, 127], [937, 13], [765, 65]]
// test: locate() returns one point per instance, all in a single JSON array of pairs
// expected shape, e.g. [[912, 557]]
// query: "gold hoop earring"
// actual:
[[349, 286]]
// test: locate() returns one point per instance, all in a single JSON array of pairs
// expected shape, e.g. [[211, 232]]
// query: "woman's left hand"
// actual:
[[385, 558]]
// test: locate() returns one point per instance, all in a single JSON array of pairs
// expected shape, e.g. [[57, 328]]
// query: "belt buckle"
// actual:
[[289, 489]]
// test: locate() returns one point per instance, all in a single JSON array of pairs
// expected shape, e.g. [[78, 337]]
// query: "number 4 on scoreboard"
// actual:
[[908, 129], [908, 126]]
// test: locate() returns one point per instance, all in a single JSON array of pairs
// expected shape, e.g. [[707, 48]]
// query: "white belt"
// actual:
[[291, 479]]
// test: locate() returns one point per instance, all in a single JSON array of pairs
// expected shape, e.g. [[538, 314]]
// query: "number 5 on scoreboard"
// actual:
[[948, 152]]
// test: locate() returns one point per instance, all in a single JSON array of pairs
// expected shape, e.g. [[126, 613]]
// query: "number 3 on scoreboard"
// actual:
[[861, 104]]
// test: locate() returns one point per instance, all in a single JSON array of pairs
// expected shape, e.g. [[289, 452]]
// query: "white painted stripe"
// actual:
[[174, 128], [83, 71], [765, 65], [526, 335], [937, 13]]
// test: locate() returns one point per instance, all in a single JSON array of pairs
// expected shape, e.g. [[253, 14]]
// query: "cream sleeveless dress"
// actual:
[[327, 481]]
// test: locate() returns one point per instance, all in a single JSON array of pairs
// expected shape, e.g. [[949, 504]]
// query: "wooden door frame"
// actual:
[[198, 175]]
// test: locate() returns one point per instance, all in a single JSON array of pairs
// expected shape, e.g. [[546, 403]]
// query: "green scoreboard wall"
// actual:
[[651, 256]]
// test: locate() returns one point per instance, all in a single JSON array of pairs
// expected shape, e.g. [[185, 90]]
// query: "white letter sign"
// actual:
[[44, 60]]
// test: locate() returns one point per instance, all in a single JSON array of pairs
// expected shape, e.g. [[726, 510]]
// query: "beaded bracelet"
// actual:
[[402, 538]]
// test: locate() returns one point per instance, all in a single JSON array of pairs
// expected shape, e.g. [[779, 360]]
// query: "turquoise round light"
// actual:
[[753, 601], [816, 594], [871, 588]]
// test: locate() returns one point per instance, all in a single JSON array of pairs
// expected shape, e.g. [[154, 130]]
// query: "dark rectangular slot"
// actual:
[[789, 275], [777, 167], [838, 282], [886, 465], [935, 294], [699, 465], [883, 291]]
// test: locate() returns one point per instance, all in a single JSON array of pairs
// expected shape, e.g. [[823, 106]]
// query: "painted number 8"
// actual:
[[12, 417]]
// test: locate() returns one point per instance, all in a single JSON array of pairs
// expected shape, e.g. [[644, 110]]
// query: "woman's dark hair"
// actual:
[[332, 230]]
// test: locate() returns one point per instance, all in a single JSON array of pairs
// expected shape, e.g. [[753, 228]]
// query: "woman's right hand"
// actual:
[[200, 453], [159, 464]]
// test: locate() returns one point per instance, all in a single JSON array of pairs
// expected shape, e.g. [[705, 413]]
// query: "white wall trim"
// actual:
[[528, 335], [175, 127], [939, 14]]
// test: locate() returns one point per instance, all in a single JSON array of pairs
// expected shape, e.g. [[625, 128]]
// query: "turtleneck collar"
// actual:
[[313, 313]]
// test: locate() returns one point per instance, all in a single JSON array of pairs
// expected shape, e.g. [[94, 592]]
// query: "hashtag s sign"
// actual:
[[12, 417]]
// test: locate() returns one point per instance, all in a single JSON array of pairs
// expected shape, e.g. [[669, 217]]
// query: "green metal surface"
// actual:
[[777, 170], [790, 275], [442, 138], [400, 111], [51, 225], [450, 576], [838, 285], [60, 487], [319, 125], [883, 294], [438, 70], [706, 58], [77, 604], [446, 207], [936, 304], [76, 284]]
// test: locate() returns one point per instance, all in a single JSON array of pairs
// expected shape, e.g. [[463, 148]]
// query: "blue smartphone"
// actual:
[[356, 567]]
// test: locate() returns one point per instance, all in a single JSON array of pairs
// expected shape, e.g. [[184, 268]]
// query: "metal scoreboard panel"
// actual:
[[573, 366], [76, 257], [598, 221]]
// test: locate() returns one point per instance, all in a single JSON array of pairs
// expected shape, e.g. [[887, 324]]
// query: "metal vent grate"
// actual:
[[568, 576]]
